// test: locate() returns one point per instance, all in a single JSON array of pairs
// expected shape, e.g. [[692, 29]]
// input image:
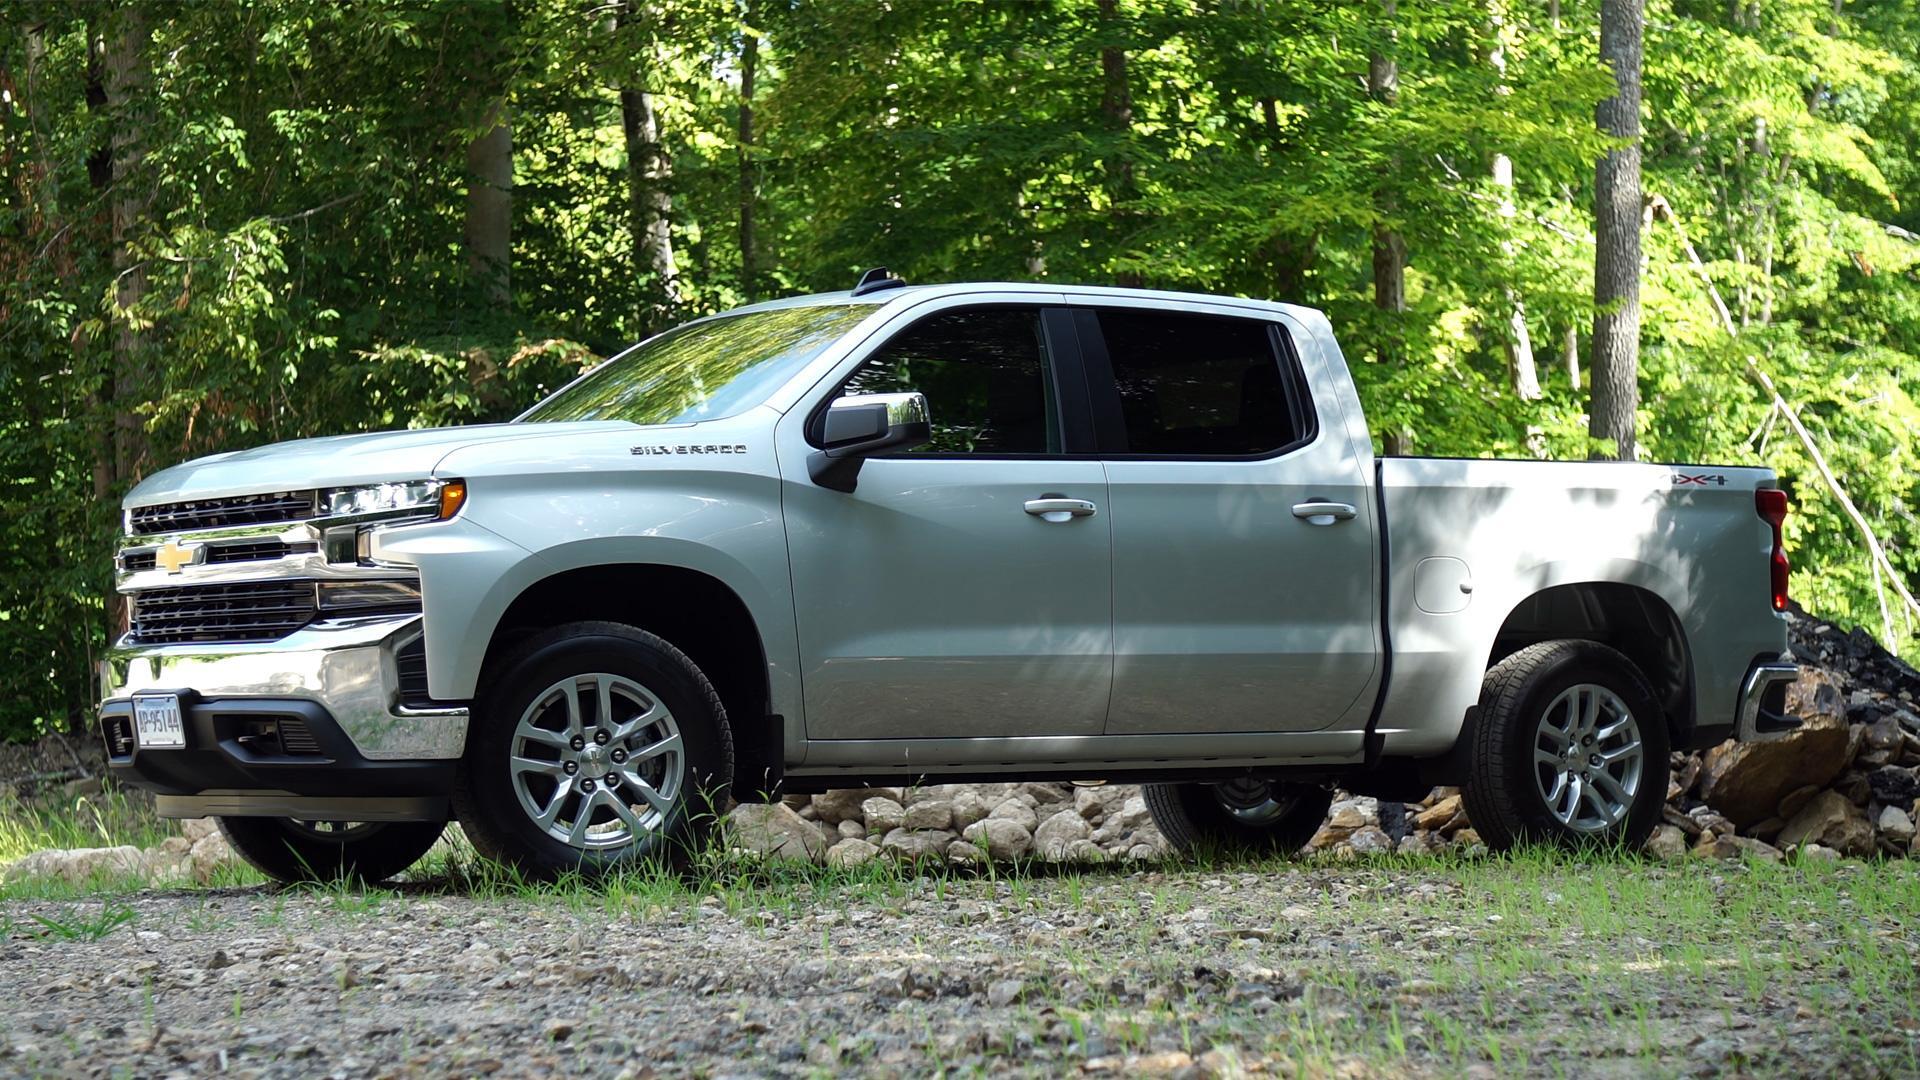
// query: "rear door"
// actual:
[[1243, 558], [943, 598]]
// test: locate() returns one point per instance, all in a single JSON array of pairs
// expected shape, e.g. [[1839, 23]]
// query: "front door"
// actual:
[[1237, 606], [943, 597]]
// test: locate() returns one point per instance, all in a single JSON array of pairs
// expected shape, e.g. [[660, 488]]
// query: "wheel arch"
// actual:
[[697, 613], [1632, 619]]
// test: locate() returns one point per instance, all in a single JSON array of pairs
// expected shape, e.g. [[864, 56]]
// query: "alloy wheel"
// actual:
[[1587, 758], [597, 761]]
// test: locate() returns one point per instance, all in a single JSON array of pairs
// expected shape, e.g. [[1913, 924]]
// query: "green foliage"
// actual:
[[304, 180]]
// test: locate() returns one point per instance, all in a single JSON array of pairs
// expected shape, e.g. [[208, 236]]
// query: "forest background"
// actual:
[[224, 224]]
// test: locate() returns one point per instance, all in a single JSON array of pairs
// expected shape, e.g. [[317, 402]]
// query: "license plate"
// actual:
[[156, 722]]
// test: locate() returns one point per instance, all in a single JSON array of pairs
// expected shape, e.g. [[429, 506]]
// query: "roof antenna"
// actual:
[[875, 280]]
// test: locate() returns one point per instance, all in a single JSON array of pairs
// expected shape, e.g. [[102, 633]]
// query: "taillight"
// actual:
[[1771, 503]]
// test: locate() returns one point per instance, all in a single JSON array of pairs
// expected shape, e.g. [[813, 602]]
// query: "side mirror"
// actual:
[[859, 427]]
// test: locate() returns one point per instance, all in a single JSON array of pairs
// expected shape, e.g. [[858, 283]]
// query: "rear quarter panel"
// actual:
[[1521, 527]]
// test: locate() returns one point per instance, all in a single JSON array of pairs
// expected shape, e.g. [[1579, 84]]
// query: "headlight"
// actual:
[[384, 498]]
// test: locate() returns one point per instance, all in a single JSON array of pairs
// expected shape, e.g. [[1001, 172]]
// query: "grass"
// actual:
[[1514, 961], [108, 819]]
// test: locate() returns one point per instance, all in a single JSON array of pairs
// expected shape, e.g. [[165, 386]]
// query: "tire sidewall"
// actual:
[[632, 654], [1598, 665], [1202, 820]]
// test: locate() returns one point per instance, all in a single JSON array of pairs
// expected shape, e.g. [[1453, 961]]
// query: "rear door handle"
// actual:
[[1056, 508], [1323, 513]]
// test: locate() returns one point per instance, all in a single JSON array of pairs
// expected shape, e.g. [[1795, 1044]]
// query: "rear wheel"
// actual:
[[1570, 749], [596, 746], [289, 850], [1254, 816]]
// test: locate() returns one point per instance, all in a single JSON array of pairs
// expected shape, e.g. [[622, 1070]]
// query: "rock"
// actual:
[[882, 815], [1667, 842], [1885, 734], [81, 788], [1818, 853], [1439, 814], [1016, 811], [1894, 824], [1370, 840], [911, 845], [561, 1027], [1084, 851], [1893, 784], [195, 829], [1735, 847], [1054, 836], [775, 830], [1003, 838], [1133, 813], [928, 814], [851, 852], [834, 807], [211, 854], [1794, 801], [77, 866], [1746, 781], [1831, 819], [1005, 992], [970, 805], [1095, 803]]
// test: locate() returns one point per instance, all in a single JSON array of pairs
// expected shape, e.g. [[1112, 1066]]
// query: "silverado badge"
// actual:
[[175, 556]]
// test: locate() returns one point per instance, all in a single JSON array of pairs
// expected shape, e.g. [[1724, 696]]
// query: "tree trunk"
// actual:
[[1116, 110], [648, 173], [130, 102], [1616, 213], [1518, 343], [749, 183], [1389, 247], [490, 208], [1570, 356]]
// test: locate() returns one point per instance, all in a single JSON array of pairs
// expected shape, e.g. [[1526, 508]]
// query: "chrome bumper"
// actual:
[[345, 666], [1754, 724]]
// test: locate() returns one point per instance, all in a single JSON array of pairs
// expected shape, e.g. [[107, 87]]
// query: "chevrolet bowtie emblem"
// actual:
[[175, 557]]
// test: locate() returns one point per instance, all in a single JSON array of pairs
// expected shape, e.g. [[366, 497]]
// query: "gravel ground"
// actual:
[[1531, 966]]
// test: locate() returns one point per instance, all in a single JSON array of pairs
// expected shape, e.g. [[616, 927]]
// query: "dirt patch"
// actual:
[[1534, 965]]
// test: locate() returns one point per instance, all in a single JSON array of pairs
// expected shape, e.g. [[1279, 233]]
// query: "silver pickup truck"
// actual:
[[928, 534]]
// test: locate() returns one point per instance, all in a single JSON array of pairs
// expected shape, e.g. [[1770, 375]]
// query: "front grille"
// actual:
[[249, 551], [237, 612], [224, 513]]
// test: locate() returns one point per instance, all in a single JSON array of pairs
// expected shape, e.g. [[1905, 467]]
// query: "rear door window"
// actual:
[[1201, 385]]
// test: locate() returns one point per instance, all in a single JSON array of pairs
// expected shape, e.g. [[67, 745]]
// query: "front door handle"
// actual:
[[1323, 513], [1057, 508]]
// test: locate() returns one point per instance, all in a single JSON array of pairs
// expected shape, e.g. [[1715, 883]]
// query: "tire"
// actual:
[[292, 851], [664, 743], [1601, 777], [1242, 817]]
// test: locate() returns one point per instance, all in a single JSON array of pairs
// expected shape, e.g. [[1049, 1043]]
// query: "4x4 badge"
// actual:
[[1703, 479]]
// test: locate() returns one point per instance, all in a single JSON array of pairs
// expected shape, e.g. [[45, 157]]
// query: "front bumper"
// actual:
[[314, 715]]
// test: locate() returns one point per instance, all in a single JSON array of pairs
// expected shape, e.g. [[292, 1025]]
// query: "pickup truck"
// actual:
[[943, 533]]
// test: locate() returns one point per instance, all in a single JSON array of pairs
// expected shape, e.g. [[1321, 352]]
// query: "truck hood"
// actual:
[[335, 461]]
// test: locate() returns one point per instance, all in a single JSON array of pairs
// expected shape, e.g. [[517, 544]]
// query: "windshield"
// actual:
[[704, 370]]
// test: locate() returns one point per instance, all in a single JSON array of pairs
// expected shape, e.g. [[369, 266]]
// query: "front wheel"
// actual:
[[593, 747], [1570, 749], [369, 852], [1248, 816]]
